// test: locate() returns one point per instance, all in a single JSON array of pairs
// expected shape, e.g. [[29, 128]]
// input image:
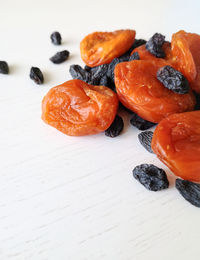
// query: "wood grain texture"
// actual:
[[75, 198]]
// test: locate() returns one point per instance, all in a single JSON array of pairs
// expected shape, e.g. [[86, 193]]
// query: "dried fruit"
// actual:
[[173, 80], [134, 56], [145, 139], [60, 57], [186, 51], [102, 47], [140, 123], [98, 73], [77, 72], [77, 108], [154, 45], [115, 128], [56, 38], [152, 177], [139, 90], [36, 75], [197, 96], [176, 142], [189, 190], [4, 69]]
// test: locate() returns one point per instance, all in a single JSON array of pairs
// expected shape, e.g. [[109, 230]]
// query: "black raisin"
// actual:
[[145, 139], [197, 96], [60, 57], [137, 43], [36, 75], [173, 80], [56, 38], [77, 72], [98, 73], [104, 81], [189, 190], [152, 177], [116, 127], [140, 123], [4, 69], [134, 56], [154, 45], [111, 67], [87, 68]]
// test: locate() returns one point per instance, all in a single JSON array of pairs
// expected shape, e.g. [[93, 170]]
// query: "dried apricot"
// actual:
[[186, 51], [102, 47], [77, 108], [176, 142], [139, 90]]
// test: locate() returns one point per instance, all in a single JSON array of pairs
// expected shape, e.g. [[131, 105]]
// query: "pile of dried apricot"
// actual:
[[156, 81]]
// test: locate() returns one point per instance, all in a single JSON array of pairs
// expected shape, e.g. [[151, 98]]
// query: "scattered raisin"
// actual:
[[36, 75], [4, 69], [56, 38], [189, 190], [134, 56], [77, 72], [173, 79], [115, 128], [60, 57], [154, 45], [152, 177], [140, 123], [145, 139]]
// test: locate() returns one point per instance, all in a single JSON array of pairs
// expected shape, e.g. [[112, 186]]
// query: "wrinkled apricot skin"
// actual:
[[139, 90], [185, 47], [102, 47], [77, 108], [176, 142]]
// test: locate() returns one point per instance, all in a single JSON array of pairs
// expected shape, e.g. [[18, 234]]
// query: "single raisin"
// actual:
[[134, 56], [60, 57], [145, 139], [56, 38], [152, 177], [189, 190], [116, 127], [77, 72], [4, 69], [154, 45], [140, 123], [36, 75], [173, 79]]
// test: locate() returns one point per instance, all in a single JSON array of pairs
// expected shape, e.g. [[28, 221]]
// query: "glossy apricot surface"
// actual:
[[176, 142], [77, 108], [139, 90], [102, 47]]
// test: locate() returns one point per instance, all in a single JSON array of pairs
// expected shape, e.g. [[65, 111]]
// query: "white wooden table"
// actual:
[[75, 198]]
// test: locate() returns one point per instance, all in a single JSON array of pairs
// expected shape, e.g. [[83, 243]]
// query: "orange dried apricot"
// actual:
[[77, 108], [139, 90], [185, 48], [102, 47], [176, 142]]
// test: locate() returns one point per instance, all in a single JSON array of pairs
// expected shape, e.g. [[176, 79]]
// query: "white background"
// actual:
[[74, 197]]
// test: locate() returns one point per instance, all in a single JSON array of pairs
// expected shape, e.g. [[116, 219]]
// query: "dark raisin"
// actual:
[[154, 45], [134, 56], [111, 67], [56, 38], [115, 128], [197, 96], [60, 57], [137, 43], [87, 68], [140, 123], [36, 75], [145, 139], [104, 81], [173, 80], [4, 69], [189, 190], [98, 73], [77, 72], [152, 177]]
